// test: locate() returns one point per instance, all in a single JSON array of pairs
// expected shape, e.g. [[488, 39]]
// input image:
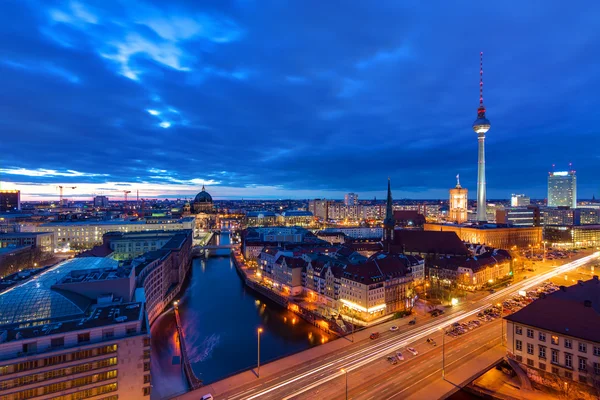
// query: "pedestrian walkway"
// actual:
[[461, 373]]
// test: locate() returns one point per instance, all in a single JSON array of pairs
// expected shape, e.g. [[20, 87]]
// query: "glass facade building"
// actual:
[[10, 200], [562, 189]]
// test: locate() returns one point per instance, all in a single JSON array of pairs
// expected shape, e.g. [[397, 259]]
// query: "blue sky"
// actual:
[[295, 99]]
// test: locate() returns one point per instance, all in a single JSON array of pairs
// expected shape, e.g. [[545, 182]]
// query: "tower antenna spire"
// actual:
[[481, 79]]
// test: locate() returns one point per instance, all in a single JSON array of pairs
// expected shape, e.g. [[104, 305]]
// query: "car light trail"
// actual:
[[375, 351]]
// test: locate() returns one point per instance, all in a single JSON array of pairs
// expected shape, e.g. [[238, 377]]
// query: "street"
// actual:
[[364, 361]]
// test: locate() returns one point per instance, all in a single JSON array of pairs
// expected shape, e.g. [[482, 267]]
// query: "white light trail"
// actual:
[[371, 353]]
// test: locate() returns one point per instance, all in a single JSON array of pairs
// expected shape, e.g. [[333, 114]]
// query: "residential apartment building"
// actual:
[[556, 339], [471, 272]]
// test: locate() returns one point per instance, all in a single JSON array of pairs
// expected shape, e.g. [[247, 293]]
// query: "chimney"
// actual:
[[596, 279], [563, 288], [587, 303]]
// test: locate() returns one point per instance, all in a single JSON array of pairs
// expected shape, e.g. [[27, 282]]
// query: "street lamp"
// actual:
[[258, 365], [346, 373], [443, 352], [501, 305]]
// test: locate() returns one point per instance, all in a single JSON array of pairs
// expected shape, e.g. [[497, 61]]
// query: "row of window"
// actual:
[[556, 370], [57, 359], [57, 373], [555, 357], [62, 386], [555, 340]]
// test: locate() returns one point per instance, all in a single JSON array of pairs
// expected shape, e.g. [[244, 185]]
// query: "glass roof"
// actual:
[[34, 299]]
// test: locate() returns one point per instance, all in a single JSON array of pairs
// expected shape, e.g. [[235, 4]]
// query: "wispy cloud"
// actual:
[[124, 40], [47, 172], [44, 68], [383, 56]]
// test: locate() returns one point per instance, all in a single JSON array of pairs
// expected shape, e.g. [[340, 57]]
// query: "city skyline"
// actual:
[[163, 99]]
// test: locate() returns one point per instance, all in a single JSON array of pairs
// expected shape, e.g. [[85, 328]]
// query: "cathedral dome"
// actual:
[[203, 197]]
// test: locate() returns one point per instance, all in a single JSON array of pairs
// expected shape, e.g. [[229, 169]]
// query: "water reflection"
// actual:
[[220, 319]]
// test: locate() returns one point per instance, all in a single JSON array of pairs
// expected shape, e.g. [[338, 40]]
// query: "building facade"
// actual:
[[562, 189], [10, 200], [75, 332], [556, 338], [519, 200], [351, 199], [458, 203], [87, 234], [493, 235]]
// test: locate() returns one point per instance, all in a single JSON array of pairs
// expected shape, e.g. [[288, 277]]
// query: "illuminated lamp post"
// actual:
[[346, 374], [258, 364]]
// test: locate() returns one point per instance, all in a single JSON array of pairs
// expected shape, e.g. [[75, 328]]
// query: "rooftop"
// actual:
[[35, 299], [99, 316], [572, 311]]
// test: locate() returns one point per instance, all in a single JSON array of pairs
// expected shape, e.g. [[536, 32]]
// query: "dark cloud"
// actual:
[[297, 96]]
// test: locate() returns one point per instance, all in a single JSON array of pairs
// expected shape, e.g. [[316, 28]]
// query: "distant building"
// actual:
[[75, 331], [497, 236], [10, 200], [296, 218], [203, 202], [351, 199], [44, 241], [319, 208], [556, 339], [87, 234], [471, 272], [358, 232], [519, 200], [409, 219], [562, 189], [458, 203], [567, 216], [518, 216], [101, 201], [261, 218], [572, 237]]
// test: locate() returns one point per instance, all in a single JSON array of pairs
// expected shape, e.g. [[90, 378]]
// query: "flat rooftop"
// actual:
[[100, 316], [95, 275], [34, 299]]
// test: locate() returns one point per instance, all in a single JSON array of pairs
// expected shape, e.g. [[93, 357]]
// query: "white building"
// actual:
[[87, 234], [556, 339], [519, 200]]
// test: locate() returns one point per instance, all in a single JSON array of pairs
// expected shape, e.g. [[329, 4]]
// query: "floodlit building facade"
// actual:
[[458, 203], [562, 189]]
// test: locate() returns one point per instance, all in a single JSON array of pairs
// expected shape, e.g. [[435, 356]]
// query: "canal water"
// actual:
[[220, 319]]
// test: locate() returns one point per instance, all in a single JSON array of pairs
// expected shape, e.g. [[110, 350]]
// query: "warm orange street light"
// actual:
[[258, 364]]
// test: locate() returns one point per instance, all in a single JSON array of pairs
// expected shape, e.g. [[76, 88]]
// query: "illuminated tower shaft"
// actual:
[[481, 126], [481, 195]]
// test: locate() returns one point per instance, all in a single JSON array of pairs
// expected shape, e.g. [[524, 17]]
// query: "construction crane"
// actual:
[[61, 194], [126, 192]]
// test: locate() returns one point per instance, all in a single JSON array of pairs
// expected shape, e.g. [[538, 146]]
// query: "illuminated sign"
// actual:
[[560, 173]]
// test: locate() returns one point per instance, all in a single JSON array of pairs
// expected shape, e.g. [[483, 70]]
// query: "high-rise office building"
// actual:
[[100, 201], [10, 200], [351, 199], [458, 203], [481, 126], [562, 189], [519, 200]]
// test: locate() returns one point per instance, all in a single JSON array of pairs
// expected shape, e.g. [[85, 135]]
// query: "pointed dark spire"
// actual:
[[389, 211], [204, 190], [388, 222]]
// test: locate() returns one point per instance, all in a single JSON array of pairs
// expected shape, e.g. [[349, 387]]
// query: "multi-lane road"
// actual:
[[364, 361]]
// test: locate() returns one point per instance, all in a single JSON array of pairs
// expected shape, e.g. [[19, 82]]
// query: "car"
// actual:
[[412, 350], [413, 321], [374, 335], [393, 328], [392, 360], [207, 397], [399, 355]]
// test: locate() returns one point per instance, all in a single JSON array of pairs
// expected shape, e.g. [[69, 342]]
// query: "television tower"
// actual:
[[481, 126]]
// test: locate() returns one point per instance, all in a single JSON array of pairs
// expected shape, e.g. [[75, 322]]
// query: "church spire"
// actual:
[[204, 190], [388, 222]]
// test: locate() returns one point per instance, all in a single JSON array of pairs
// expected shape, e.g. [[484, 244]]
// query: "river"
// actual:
[[220, 319]]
